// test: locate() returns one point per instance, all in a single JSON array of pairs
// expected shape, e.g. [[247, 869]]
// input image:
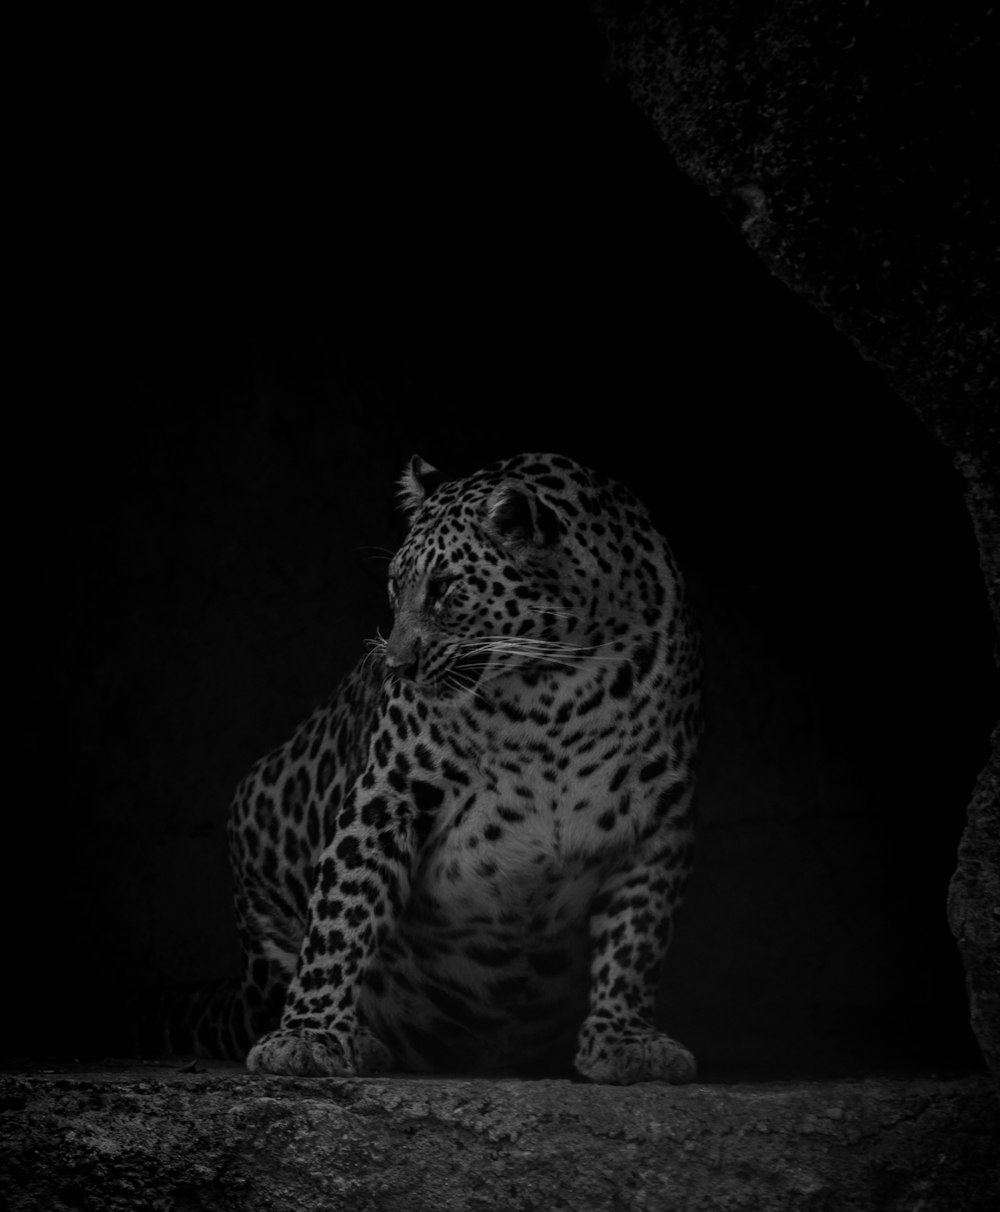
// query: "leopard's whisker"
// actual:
[[376, 646], [570, 655], [529, 642], [463, 685]]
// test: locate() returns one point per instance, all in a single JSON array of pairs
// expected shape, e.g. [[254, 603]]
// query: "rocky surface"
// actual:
[[170, 1138]]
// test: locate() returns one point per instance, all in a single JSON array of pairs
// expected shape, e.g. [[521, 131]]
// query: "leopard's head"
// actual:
[[533, 564]]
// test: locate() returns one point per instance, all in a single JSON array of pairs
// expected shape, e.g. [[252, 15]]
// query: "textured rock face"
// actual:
[[159, 1139], [974, 908], [853, 146]]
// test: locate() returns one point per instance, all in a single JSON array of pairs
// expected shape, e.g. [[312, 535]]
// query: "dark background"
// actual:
[[272, 263]]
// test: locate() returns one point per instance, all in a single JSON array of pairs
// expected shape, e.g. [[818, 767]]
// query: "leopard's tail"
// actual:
[[208, 1019]]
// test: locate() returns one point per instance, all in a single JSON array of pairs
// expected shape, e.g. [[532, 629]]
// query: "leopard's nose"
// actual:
[[404, 668], [403, 656]]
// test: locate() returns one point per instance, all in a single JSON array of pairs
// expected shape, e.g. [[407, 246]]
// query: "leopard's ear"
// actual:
[[413, 484], [516, 515]]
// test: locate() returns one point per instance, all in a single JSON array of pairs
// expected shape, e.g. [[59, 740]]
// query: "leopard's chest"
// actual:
[[530, 831]]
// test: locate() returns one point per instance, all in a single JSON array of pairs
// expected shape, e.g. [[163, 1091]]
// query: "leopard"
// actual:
[[470, 857]]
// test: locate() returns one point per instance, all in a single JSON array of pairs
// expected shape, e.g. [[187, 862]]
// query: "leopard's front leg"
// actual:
[[362, 881], [630, 926]]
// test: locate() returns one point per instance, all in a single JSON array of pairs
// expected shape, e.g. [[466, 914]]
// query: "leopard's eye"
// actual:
[[437, 589], [393, 591]]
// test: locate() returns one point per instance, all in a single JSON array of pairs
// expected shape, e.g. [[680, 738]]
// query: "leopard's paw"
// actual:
[[302, 1052], [619, 1058]]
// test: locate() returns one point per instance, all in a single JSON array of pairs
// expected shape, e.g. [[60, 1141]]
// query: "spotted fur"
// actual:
[[469, 858]]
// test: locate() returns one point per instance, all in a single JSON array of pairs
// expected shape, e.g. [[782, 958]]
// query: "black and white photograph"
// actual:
[[506, 589]]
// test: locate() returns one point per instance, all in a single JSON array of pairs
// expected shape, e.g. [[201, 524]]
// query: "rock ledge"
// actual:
[[166, 1138]]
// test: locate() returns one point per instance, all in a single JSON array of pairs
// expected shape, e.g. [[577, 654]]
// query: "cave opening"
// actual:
[[534, 276]]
